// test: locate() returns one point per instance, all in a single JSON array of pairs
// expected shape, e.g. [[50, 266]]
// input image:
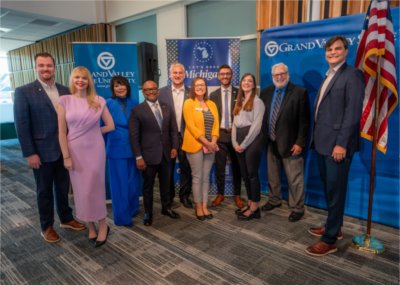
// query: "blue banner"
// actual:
[[301, 48], [202, 57], [105, 60]]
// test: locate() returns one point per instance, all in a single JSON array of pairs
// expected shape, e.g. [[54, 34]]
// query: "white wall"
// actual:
[[171, 23]]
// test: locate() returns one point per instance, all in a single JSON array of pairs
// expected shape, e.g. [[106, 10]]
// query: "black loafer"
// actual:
[[186, 202], [147, 219], [170, 213], [295, 216], [269, 207]]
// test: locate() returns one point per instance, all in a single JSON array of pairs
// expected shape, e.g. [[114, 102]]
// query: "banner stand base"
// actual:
[[368, 244]]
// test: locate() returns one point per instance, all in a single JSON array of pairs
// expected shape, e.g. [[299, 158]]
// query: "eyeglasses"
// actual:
[[226, 74], [279, 74], [150, 90], [199, 85]]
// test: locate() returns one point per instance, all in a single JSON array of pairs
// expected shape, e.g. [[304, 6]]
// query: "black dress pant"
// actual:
[[226, 149], [185, 185], [149, 175], [52, 184], [249, 161]]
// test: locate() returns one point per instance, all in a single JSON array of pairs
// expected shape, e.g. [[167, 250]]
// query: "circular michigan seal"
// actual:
[[203, 51]]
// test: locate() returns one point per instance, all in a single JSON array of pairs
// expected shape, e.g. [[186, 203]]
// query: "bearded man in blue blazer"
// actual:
[[336, 135], [37, 129]]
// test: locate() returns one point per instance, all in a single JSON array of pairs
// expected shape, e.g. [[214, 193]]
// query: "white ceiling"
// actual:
[[18, 29]]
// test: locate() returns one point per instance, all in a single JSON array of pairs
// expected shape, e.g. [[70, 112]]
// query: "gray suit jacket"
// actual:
[[36, 121], [216, 98], [166, 98], [338, 118]]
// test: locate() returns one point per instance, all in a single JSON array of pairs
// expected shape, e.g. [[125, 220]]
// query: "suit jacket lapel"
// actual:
[[43, 95], [335, 77]]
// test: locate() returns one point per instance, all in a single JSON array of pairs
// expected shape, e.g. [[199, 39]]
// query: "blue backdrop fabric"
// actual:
[[301, 48], [104, 60]]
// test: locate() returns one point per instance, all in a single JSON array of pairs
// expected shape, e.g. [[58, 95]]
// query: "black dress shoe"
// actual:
[[253, 215], [268, 206], [170, 213], [147, 219], [186, 202], [99, 243], [295, 216], [200, 218]]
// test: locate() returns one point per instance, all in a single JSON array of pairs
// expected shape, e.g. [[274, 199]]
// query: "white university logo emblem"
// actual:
[[271, 48], [106, 60]]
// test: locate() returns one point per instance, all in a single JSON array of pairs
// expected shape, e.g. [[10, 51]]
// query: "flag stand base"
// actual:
[[368, 244]]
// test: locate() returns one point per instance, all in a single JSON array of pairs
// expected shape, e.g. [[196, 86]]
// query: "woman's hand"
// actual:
[[239, 149], [68, 163]]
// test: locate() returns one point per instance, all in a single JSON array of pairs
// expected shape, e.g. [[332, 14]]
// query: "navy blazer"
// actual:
[[117, 142], [147, 139], [166, 98], [293, 119], [36, 121], [338, 119], [215, 96]]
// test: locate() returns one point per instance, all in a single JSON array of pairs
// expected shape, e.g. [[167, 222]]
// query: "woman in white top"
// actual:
[[247, 139]]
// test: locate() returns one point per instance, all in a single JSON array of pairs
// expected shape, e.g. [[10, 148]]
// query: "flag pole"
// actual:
[[368, 242]]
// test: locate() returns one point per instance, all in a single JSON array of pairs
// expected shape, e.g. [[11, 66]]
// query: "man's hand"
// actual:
[[174, 153], [239, 149], [34, 161], [296, 149], [338, 153], [141, 165]]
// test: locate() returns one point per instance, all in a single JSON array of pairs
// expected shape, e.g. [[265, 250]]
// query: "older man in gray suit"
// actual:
[[174, 96], [36, 124]]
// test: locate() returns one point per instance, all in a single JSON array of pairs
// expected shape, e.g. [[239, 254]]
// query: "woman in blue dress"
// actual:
[[123, 174]]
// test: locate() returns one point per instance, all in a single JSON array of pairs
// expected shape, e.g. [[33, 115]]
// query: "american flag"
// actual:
[[376, 51]]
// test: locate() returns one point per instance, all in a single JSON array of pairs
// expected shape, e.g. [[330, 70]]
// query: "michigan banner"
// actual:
[[201, 58]]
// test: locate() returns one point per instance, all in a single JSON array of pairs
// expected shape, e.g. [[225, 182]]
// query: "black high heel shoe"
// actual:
[[92, 240], [253, 215], [99, 243], [241, 210]]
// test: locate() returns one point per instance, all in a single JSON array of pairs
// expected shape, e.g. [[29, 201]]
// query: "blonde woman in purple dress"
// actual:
[[82, 146]]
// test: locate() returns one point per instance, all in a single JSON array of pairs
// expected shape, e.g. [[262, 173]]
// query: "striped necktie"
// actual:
[[158, 115], [274, 116]]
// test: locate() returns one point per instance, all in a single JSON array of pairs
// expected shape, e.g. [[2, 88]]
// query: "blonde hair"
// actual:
[[91, 91]]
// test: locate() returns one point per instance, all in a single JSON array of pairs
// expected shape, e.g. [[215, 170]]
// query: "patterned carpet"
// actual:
[[185, 251]]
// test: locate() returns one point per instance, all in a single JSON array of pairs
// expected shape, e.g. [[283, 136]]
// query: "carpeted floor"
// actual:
[[185, 251]]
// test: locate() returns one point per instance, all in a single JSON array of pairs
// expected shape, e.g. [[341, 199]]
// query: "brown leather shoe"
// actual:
[[218, 200], [73, 225], [318, 232], [321, 248], [238, 201], [50, 235]]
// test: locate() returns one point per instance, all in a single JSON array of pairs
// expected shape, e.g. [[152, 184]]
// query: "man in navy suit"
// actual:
[[154, 141], [225, 98], [337, 113], [174, 96], [286, 123], [37, 129]]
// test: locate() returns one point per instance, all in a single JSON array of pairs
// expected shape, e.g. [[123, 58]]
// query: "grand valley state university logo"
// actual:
[[271, 48], [106, 60]]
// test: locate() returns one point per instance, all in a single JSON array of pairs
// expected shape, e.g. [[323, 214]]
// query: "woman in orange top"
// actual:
[[200, 142]]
